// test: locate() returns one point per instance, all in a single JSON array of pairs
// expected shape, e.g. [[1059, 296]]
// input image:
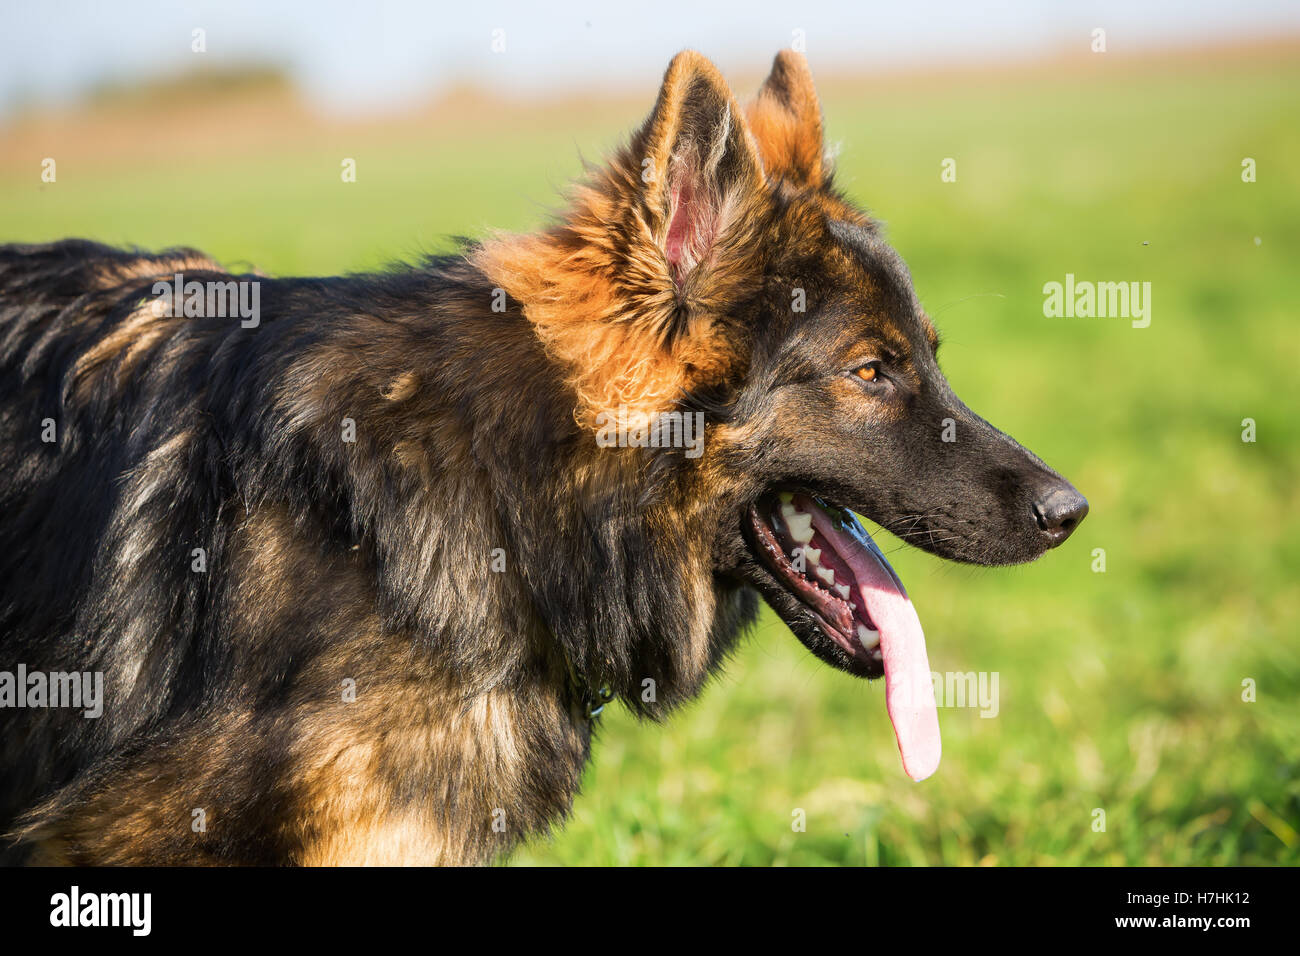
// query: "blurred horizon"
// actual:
[[393, 55]]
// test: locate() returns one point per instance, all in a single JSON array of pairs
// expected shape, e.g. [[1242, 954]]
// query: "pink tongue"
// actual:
[[909, 692]]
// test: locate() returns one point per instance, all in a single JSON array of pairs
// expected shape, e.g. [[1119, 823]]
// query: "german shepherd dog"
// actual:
[[358, 577]]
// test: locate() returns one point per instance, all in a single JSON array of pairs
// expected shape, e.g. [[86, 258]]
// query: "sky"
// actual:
[[387, 55]]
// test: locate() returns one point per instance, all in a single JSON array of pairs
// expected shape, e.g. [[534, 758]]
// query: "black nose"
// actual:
[[1058, 512]]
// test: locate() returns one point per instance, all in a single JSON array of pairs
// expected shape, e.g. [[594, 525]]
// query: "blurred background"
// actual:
[[1161, 691]]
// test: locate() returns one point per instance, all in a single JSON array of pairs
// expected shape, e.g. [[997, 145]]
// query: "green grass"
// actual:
[[1120, 691]]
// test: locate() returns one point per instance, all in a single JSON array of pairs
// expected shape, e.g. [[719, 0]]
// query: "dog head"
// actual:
[[714, 267]]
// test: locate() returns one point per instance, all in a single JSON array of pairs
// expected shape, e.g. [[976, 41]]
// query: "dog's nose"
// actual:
[[1058, 511]]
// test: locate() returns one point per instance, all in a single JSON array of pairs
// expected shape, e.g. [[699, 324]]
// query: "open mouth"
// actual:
[[823, 556]]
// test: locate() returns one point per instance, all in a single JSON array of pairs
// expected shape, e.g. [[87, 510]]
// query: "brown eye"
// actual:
[[867, 373]]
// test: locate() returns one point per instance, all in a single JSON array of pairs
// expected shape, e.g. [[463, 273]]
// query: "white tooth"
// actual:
[[814, 555], [800, 525], [826, 574], [870, 639], [789, 510], [843, 590]]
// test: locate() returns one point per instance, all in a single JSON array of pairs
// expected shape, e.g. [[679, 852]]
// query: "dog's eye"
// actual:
[[867, 372]]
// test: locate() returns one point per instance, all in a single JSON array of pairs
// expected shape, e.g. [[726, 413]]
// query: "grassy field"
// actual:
[[1120, 691]]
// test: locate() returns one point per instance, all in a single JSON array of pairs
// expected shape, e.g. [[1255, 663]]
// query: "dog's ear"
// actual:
[[631, 290], [698, 163], [786, 120]]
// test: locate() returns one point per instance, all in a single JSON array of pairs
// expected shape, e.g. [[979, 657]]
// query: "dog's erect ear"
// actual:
[[698, 163], [631, 290], [786, 120]]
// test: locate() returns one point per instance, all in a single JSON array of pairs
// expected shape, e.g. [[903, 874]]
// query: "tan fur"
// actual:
[[148, 325], [152, 267], [402, 838], [354, 818], [402, 387], [786, 121], [127, 343], [598, 287]]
